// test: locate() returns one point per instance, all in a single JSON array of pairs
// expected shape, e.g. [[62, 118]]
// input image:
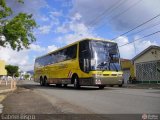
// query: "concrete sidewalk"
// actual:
[[142, 86], [5, 88], [2, 97]]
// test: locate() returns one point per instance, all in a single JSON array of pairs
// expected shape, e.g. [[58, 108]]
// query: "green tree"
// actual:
[[18, 30], [26, 76], [12, 70]]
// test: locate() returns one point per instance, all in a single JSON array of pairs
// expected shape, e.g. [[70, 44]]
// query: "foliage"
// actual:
[[18, 30], [12, 70], [26, 76]]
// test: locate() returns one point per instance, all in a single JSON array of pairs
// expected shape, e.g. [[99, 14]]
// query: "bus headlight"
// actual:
[[96, 75], [120, 75]]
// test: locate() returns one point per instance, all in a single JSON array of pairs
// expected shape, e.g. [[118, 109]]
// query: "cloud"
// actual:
[[79, 31], [77, 16], [51, 22], [125, 51], [44, 18], [62, 29], [56, 13], [29, 6], [34, 47], [21, 58], [51, 48], [99, 12], [73, 30], [45, 29], [27, 67], [130, 50], [54, 17], [118, 20], [13, 57]]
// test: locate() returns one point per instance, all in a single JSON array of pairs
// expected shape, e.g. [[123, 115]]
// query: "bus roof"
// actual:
[[94, 39]]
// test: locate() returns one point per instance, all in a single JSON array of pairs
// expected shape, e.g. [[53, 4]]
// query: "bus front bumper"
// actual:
[[108, 81], [96, 81]]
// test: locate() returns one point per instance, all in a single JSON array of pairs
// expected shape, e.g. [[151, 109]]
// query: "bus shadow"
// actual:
[[54, 87]]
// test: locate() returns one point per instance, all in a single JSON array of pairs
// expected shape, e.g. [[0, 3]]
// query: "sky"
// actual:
[[62, 22]]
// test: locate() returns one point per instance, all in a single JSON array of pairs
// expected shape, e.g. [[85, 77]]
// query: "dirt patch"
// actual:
[[2, 97]]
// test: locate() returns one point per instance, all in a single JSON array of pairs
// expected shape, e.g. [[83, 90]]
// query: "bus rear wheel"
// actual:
[[45, 82], [110, 85], [41, 81]]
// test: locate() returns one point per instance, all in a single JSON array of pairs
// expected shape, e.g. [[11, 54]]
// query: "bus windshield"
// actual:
[[105, 56]]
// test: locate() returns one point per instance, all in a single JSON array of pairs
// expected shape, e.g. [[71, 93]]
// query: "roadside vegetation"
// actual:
[[16, 31]]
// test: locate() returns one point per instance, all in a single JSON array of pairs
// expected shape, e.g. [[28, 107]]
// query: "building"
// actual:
[[147, 65], [128, 69], [2, 68]]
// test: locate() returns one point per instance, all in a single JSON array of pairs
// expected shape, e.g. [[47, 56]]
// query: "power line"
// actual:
[[138, 26], [104, 12], [140, 38], [146, 28], [126, 10], [111, 9]]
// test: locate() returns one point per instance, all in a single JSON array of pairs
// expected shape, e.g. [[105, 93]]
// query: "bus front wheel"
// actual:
[[120, 85], [76, 82], [58, 85], [64, 85], [101, 86]]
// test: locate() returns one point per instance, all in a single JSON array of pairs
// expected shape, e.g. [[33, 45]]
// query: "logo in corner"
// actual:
[[144, 116]]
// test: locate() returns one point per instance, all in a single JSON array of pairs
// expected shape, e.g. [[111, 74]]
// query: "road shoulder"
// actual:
[[25, 101]]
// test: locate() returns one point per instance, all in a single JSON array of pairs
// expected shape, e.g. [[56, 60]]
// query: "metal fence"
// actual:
[[7, 84], [148, 72]]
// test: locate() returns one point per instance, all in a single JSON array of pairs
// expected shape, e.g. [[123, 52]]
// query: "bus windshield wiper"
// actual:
[[103, 64]]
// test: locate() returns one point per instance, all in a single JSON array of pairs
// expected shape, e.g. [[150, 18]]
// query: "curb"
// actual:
[[7, 90], [1, 108], [3, 97]]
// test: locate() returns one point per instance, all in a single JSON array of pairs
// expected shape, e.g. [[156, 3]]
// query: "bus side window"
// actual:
[[71, 52]]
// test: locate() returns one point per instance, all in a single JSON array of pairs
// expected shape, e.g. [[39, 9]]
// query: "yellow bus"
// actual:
[[88, 62]]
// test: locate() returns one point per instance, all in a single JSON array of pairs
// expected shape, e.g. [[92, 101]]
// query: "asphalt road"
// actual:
[[110, 100]]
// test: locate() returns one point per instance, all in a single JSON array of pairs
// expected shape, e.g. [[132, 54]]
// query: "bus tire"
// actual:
[[45, 82], [120, 85], [41, 81], [101, 86], [76, 82], [58, 85]]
